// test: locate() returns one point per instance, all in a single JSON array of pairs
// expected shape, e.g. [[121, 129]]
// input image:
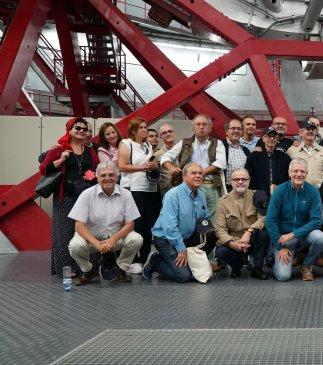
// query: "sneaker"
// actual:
[[135, 268], [307, 274], [147, 270], [122, 277], [85, 277]]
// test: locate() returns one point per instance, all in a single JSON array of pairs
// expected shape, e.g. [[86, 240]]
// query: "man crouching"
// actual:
[[240, 228], [104, 216]]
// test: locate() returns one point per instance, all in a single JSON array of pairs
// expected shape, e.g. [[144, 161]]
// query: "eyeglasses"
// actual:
[[235, 128], [78, 128], [166, 132], [282, 124], [242, 179]]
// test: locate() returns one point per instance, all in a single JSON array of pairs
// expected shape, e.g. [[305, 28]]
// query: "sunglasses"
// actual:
[[78, 128]]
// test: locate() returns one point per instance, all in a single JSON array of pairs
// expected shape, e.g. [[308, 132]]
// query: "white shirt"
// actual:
[[137, 181], [104, 215], [200, 154]]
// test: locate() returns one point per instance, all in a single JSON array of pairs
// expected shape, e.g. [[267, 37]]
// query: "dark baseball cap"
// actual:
[[260, 201], [307, 124], [203, 225], [269, 130]]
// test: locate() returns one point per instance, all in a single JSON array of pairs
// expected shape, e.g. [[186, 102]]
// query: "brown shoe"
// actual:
[[319, 261], [122, 277], [85, 277], [297, 261], [307, 274]]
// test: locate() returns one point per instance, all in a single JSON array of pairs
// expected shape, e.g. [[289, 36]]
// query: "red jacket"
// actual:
[[55, 154]]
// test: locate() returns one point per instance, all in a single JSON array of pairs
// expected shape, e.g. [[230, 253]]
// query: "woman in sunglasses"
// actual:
[[109, 140], [75, 161], [135, 159]]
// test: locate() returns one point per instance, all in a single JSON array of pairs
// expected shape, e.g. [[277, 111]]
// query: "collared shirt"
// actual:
[[314, 158], [249, 144], [236, 160], [104, 215], [178, 216], [200, 154]]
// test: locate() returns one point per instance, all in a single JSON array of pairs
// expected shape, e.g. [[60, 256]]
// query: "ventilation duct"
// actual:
[[273, 5], [312, 13]]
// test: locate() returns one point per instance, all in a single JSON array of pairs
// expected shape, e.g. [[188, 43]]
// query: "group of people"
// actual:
[[231, 183]]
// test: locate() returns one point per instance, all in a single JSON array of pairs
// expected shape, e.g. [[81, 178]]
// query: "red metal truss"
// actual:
[[71, 55], [180, 89], [27, 104], [155, 62], [18, 48]]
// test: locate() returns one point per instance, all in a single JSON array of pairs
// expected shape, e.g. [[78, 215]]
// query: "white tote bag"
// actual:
[[199, 264]]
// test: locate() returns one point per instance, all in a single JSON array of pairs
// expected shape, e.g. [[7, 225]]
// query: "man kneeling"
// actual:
[[240, 228], [293, 222], [104, 216], [174, 229]]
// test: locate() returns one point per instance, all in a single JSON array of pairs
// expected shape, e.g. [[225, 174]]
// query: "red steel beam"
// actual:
[[188, 88], [216, 21], [155, 62], [71, 55], [272, 92], [18, 48], [27, 104]]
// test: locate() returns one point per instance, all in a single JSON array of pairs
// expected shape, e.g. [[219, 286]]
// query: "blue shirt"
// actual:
[[178, 216], [249, 144], [291, 210]]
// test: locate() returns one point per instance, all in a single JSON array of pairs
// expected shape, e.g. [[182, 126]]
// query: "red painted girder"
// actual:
[[216, 21], [18, 195], [27, 104], [18, 48], [188, 88], [28, 228], [271, 91], [154, 61], [101, 111], [292, 50], [121, 103], [71, 56]]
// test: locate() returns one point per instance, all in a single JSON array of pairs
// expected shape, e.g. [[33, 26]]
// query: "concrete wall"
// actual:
[[24, 138]]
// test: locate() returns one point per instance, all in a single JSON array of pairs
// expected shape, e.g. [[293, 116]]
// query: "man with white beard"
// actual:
[[239, 226]]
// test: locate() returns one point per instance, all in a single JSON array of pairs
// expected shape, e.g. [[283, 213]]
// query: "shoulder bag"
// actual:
[[48, 184]]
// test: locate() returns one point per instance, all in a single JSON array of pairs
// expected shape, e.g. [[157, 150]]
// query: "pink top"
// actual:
[[108, 155]]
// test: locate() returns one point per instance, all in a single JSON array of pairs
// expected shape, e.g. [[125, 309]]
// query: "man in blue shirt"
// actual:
[[293, 221], [174, 230]]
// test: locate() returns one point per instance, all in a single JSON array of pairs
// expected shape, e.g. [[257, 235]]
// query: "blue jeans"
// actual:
[[212, 195], [314, 242], [165, 264]]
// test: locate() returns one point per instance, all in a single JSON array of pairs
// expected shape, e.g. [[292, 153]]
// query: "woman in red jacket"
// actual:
[[73, 159]]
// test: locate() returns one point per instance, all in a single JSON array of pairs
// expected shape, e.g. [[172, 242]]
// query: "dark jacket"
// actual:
[[258, 166], [283, 144], [290, 210]]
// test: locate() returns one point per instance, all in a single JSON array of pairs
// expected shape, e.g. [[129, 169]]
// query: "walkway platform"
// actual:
[[240, 321]]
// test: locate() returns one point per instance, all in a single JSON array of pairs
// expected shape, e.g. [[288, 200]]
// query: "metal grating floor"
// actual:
[[236, 321]]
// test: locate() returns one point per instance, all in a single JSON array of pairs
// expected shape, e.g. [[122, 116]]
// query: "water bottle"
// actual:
[[67, 278]]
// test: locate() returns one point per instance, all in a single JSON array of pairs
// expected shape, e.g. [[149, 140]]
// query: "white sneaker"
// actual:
[[135, 268]]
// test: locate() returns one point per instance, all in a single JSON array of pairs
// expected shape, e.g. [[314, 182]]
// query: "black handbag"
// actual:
[[48, 184]]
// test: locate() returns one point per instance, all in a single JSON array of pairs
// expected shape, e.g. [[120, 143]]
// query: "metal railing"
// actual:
[[48, 104]]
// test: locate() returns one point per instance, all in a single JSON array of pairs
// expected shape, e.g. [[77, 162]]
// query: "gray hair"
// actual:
[[188, 165], [209, 120], [107, 165], [163, 125], [297, 161], [239, 169]]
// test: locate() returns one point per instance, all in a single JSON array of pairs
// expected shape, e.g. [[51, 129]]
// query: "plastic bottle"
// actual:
[[67, 278]]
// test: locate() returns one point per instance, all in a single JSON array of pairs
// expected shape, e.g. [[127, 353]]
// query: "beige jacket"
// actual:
[[314, 162], [230, 224]]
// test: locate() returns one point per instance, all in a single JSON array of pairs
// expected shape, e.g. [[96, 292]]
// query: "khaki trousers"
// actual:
[[129, 245]]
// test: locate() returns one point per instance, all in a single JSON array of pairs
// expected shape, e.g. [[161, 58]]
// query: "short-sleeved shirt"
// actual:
[[104, 215]]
